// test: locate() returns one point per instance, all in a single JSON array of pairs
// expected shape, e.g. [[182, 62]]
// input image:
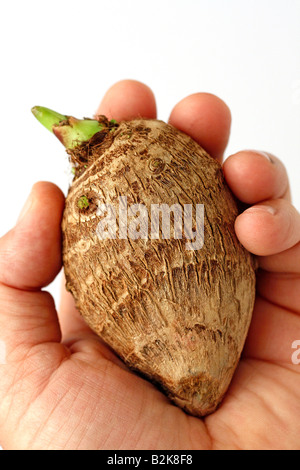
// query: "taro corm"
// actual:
[[151, 256]]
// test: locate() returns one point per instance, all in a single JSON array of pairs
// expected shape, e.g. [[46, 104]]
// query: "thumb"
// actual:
[[30, 258], [30, 253]]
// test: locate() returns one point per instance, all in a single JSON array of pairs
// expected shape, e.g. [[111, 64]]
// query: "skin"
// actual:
[[61, 388]]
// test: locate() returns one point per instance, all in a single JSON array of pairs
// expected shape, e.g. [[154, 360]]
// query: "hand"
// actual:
[[62, 388]]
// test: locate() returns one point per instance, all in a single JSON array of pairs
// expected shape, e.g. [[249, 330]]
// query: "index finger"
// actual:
[[128, 99]]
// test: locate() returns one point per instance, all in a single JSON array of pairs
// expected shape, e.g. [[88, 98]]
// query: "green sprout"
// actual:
[[83, 203], [69, 130]]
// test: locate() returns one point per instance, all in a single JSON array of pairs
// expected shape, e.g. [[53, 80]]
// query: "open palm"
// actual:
[[62, 388]]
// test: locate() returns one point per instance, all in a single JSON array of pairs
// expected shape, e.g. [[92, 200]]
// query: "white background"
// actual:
[[65, 54]]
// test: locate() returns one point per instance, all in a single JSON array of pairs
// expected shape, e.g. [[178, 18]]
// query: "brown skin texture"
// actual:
[[179, 317], [63, 389]]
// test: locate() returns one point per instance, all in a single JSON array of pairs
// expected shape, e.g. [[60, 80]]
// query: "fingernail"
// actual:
[[262, 208], [263, 154], [266, 155], [26, 207]]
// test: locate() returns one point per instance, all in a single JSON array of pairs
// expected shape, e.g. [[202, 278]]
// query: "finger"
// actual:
[[31, 252], [256, 176], [282, 289], [207, 119], [269, 228], [273, 228], [128, 99], [30, 258], [272, 333], [287, 261], [27, 319]]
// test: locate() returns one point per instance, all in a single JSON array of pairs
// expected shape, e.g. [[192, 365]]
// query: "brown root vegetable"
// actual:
[[176, 311]]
